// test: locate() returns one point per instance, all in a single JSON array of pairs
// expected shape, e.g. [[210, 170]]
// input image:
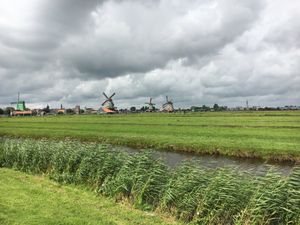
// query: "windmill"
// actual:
[[20, 108], [20, 105], [151, 107], [168, 106], [108, 105]]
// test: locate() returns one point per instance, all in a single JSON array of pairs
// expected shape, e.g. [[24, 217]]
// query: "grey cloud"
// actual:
[[197, 52], [67, 15], [119, 43]]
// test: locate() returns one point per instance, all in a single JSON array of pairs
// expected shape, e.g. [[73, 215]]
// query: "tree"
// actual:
[[70, 111], [144, 108], [216, 107], [8, 110], [196, 109], [1, 111], [205, 108]]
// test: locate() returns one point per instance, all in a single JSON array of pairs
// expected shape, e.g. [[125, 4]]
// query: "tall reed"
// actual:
[[189, 192]]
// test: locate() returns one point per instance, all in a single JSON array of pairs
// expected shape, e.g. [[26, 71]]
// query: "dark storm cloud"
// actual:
[[34, 43], [198, 52], [67, 16], [131, 37]]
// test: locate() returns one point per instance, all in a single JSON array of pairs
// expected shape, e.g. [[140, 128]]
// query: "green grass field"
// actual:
[[27, 199], [269, 135]]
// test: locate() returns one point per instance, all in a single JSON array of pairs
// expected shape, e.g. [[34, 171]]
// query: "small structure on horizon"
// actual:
[[77, 109], [108, 105], [90, 111], [168, 106], [20, 108], [62, 110], [151, 107]]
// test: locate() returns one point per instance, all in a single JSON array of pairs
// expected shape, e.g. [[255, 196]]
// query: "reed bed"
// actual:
[[190, 193]]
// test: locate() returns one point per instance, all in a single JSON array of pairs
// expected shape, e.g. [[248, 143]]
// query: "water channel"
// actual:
[[253, 166]]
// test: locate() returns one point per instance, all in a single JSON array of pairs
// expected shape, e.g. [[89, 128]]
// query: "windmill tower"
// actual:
[[108, 105], [151, 107], [20, 105], [168, 106]]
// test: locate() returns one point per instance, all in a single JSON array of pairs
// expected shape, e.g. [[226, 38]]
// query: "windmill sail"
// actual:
[[151, 107], [108, 105]]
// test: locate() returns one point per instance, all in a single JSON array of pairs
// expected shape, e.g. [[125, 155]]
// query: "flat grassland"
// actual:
[[27, 199], [273, 135]]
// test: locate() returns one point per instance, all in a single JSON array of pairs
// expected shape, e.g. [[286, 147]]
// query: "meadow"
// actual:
[[36, 200], [273, 135], [189, 192]]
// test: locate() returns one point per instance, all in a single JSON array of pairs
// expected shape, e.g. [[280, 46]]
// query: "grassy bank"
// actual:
[[189, 192], [269, 135], [27, 199]]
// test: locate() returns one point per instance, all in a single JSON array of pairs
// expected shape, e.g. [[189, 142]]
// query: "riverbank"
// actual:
[[273, 136], [28, 199]]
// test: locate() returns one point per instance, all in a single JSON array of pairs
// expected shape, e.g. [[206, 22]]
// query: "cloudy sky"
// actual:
[[196, 51]]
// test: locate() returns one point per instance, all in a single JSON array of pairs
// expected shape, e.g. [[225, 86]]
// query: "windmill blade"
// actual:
[[167, 98], [18, 102], [150, 100], [105, 102], [105, 95], [112, 95]]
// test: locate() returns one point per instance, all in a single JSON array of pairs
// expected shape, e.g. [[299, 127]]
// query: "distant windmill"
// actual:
[[20, 105], [20, 108], [108, 105], [168, 106], [151, 107]]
